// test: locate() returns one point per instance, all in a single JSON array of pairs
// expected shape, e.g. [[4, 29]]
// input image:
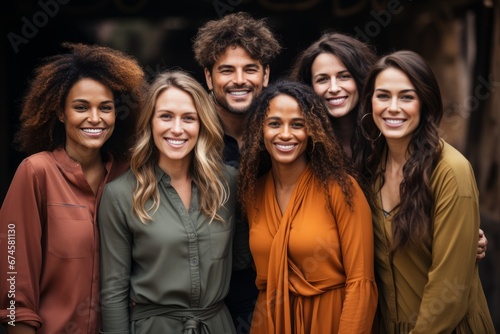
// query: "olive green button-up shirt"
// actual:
[[178, 261]]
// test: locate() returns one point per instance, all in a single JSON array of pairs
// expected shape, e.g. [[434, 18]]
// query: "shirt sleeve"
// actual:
[[116, 252], [21, 218], [356, 238], [454, 245]]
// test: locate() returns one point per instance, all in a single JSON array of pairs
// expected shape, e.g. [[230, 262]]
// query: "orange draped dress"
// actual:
[[315, 269]]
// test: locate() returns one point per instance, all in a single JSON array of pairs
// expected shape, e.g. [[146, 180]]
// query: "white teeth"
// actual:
[[337, 100], [394, 121], [238, 93], [176, 142], [92, 130], [285, 147]]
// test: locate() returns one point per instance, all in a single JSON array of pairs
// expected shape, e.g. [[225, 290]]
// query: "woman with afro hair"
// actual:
[[77, 121]]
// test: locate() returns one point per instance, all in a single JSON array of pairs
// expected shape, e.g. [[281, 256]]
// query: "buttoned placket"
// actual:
[[189, 223]]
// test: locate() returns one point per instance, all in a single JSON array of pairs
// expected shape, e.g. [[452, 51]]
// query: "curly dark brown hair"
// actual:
[[44, 101], [328, 161], [237, 29]]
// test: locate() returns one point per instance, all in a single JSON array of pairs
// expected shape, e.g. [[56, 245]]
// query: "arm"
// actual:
[[116, 253], [21, 218], [356, 238], [456, 222], [20, 328]]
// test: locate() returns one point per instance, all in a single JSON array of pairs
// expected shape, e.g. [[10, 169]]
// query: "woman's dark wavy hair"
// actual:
[[356, 56], [44, 101], [324, 153], [413, 219], [236, 29]]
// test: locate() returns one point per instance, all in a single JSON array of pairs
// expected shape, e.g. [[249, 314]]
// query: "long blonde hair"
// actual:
[[207, 164]]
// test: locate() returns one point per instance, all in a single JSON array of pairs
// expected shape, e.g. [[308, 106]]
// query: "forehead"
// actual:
[[393, 78], [284, 106], [327, 61], [236, 56]]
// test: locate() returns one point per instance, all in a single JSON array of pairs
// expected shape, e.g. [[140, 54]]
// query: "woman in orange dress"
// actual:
[[311, 234]]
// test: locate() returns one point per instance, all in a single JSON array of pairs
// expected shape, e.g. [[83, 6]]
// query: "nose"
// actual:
[[94, 116], [285, 132], [239, 77], [393, 106], [177, 126], [334, 87]]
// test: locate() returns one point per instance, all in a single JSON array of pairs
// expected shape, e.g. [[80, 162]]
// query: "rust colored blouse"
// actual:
[[49, 215], [314, 269]]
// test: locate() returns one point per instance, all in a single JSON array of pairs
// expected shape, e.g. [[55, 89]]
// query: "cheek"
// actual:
[[319, 89]]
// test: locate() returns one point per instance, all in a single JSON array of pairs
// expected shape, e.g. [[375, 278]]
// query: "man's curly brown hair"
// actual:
[[44, 101], [237, 29]]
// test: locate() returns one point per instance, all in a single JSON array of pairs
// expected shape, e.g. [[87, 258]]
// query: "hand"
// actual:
[[481, 246]]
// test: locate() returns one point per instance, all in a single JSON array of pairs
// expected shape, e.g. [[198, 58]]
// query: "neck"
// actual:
[[397, 155], [87, 159], [178, 170], [232, 124], [286, 176], [343, 128]]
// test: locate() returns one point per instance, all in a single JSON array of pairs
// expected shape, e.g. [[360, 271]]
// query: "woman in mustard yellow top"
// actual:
[[310, 225], [425, 205]]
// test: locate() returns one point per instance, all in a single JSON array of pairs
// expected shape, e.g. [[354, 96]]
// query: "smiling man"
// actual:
[[235, 53]]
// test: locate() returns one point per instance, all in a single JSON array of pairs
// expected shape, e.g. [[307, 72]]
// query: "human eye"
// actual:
[[251, 70], [107, 108], [190, 118], [273, 124], [382, 96], [165, 116], [320, 80], [345, 76], [80, 107], [297, 125], [408, 97]]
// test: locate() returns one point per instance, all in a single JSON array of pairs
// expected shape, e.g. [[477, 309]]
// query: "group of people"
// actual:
[[323, 202]]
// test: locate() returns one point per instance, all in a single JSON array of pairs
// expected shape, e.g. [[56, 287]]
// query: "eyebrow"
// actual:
[[278, 118], [402, 91], [86, 101], [224, 66], [339, 72]]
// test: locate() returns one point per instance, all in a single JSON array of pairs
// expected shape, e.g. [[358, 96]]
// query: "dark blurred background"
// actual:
[[459, 38]]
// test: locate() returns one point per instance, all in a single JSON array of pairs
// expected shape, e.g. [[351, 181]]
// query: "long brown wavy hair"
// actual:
[[413, 219], [207, 162], [326, 157], [44, 101]]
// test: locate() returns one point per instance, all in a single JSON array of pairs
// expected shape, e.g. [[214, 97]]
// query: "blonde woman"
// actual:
[[167, 224]]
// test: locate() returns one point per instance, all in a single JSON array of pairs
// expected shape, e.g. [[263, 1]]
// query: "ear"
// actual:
[[267, 71], [208, 79]]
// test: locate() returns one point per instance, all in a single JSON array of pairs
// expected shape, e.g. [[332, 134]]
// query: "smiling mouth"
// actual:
[[336, 101], [285, 148], [176, 142], [93, 131], [394, 121]]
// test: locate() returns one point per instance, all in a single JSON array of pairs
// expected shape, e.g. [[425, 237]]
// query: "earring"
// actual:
[[363, 131], [262, 146]]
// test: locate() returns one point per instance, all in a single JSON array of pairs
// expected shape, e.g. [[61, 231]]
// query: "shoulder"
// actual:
[[39, 161], [453, 169], [230, 173], [123, 184]]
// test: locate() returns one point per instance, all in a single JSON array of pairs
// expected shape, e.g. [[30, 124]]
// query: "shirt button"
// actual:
[[194, 261], [192, 235], [196, 290]]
